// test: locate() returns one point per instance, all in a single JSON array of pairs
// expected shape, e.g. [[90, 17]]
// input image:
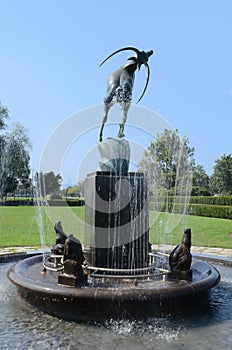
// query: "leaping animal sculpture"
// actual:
[[120, 84]]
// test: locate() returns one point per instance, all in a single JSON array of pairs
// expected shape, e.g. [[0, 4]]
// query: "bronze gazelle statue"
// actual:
[[120, 84]]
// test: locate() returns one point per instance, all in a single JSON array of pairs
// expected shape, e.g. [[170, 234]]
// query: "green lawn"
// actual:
[[24, 226], [207, 232], [29, 226]]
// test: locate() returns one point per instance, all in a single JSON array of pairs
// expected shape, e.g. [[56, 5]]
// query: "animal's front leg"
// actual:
[[101, 132]]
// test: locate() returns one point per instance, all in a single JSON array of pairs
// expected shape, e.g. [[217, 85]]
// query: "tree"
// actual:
[[73, 191], [200, 182], [168, 162], [221, 179], [14, 160], [48, 183], [4, 114]]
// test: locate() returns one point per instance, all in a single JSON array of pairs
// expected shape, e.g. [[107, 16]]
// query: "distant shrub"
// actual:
[[17, 202], [55, 196], [64, 202]]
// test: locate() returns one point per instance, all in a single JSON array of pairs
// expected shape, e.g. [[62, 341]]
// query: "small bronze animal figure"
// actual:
[[58, 248], [180, 258]]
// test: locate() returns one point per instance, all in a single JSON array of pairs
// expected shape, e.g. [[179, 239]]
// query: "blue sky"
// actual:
[[49, 65]]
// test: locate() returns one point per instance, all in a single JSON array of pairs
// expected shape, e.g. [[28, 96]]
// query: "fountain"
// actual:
[[116, 275]]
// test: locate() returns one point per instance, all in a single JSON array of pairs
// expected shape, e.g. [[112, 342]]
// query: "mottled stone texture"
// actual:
[[116, 220], [115, 155]]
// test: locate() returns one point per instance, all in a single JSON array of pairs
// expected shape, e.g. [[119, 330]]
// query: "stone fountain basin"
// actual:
[[143, 300]]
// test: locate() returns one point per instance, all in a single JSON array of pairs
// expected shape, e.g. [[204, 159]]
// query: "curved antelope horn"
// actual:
[[123, 49], [147, 80], [142, 58]]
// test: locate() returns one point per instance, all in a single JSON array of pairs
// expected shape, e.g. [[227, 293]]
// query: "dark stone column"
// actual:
[[116, 217]]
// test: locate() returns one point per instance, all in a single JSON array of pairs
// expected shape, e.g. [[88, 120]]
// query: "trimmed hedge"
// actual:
[[17, 202], [211, 200], [216, 211], [217, 207], [210, 206], [51, 202], [63, 202]]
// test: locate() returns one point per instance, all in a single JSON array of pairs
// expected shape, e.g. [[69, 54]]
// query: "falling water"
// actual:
[[168, 203], [41, 204], [3, 160]]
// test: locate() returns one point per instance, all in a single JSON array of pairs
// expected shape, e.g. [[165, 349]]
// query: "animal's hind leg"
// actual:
[[108, 103], [106, 111], [126, 106]]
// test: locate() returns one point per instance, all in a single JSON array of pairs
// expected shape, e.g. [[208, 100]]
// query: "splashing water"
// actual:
[[23, 327]]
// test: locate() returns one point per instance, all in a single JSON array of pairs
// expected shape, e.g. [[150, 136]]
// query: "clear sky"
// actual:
[[49, 65]]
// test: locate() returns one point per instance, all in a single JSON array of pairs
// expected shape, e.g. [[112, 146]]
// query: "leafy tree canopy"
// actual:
[[4, 114], [14, 160], [48, 183], [200, 182], [73, 191], [168, 162], [221, 179]]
